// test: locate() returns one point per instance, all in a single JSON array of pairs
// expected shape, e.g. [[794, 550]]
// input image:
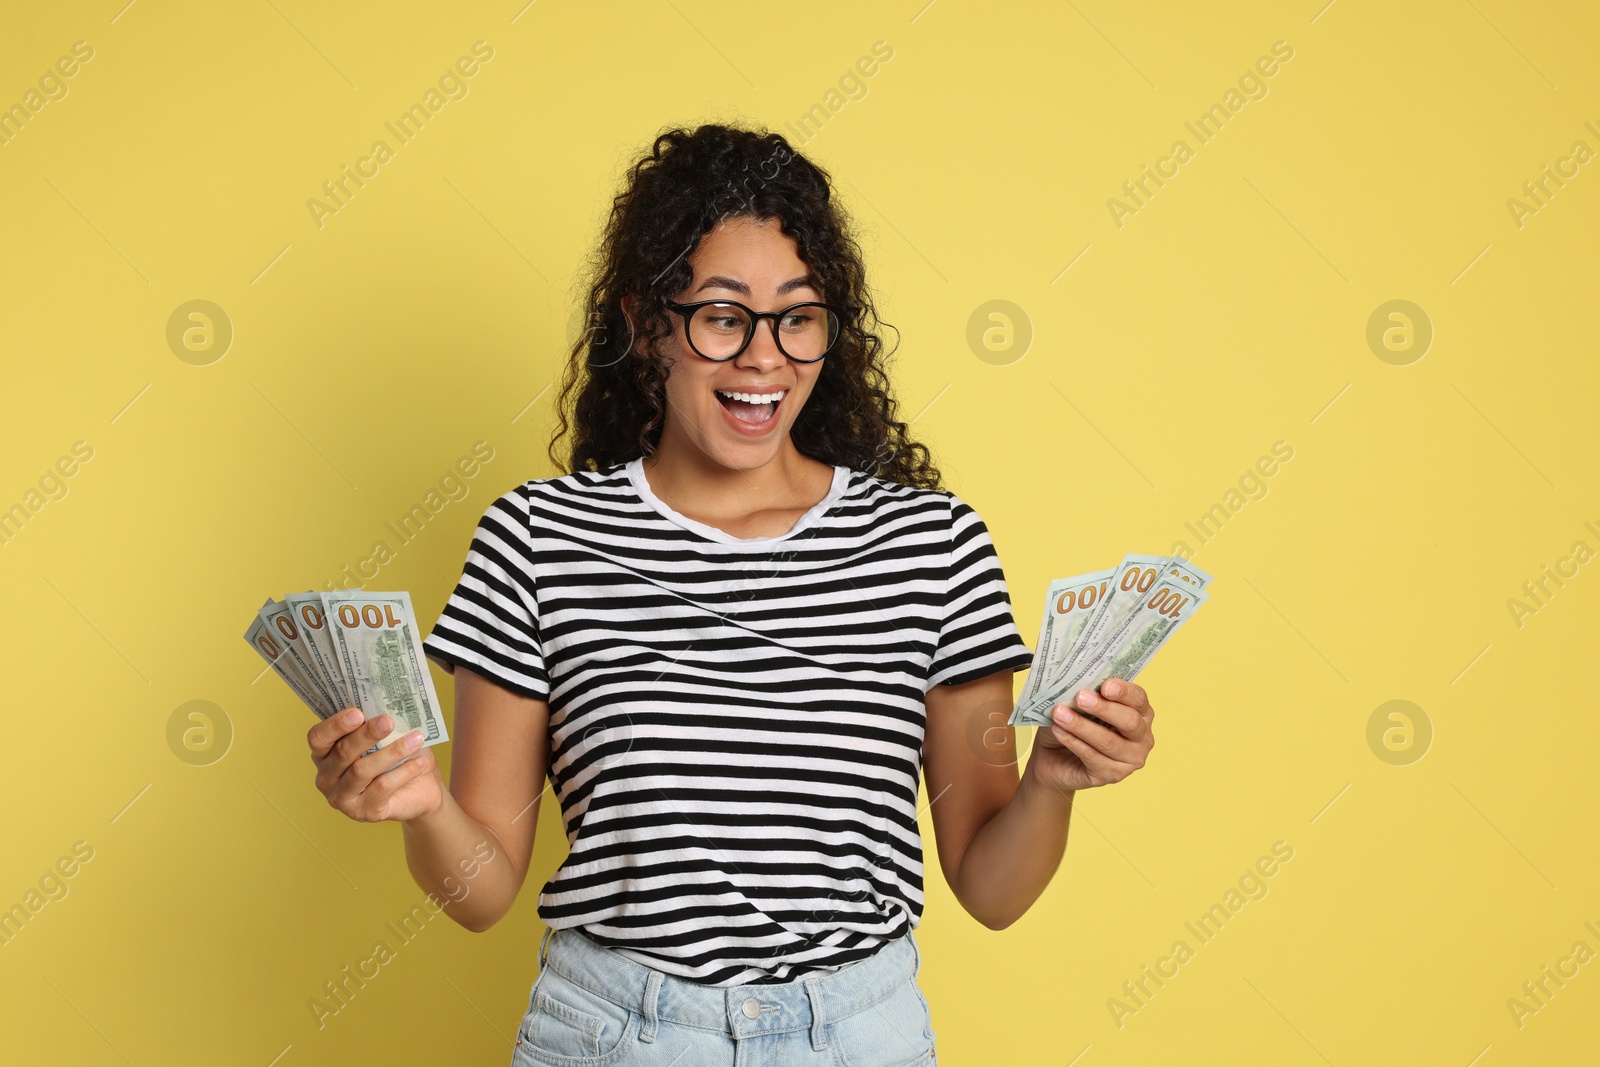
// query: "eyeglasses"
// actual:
[[719, 330]]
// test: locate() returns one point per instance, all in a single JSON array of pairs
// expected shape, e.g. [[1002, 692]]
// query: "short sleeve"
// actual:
[[977, 635], [491, 621]]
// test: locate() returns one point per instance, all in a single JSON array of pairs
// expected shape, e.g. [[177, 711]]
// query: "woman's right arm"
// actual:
[[469, 845]]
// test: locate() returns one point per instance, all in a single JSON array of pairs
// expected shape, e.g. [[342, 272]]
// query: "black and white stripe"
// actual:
[[736, 724]]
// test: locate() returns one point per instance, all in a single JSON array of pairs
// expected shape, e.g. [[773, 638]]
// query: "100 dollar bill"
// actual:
[[280, 623], [1068, 605], [1144, 630], [276, 653], [378, 648], [309, 616], [1135, 576]]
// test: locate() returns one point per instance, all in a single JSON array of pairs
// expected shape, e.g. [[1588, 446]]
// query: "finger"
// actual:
[[1120, 717], [324, 734], [375, 797], [1104, 740], [1126, 692], [373, 765], [1097, 763], [1046, 734], [351, 747]]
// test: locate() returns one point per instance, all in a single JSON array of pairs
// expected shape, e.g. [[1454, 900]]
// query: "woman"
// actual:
[[732, 637]]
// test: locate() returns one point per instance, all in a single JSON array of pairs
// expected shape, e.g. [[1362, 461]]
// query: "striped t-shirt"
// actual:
[[736, 724]]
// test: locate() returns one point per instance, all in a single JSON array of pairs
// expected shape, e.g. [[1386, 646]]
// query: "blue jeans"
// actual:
[[592, 1007]]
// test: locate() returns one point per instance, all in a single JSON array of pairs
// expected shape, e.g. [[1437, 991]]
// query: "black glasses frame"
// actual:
[[688, 310]]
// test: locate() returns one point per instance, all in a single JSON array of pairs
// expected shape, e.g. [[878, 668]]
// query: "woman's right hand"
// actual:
[[363, 786]]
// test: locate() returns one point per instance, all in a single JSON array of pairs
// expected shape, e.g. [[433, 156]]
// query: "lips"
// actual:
[[755, 414], [751, 417]]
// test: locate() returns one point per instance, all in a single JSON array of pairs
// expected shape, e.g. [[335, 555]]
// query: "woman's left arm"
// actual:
[[1000, 840]]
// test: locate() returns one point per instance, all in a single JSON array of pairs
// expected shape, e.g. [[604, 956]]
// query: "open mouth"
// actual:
[[752, 409]]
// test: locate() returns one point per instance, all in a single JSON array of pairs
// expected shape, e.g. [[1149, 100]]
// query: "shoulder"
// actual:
[[888, 496], [577, 488], [554, 508], [948, 519], [935, 519]]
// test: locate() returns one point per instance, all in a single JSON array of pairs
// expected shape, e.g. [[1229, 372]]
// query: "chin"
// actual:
[[746, 455]]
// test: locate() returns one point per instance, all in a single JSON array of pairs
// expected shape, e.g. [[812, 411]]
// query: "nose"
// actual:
[[762, 352]]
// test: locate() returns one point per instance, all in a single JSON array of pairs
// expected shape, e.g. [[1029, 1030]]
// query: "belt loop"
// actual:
[[819, 1018], [652, 989], [542, 942]]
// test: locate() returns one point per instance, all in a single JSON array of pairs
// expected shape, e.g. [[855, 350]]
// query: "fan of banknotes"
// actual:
[[352, 649], [1106, 624]]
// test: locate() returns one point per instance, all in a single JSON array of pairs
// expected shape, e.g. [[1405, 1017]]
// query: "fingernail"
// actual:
[[352, 716], [383, 724], [1112, 689], [1087, 699], [1063, 714], [413, 739]]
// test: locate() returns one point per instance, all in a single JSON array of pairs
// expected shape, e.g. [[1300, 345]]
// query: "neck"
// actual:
[[693, 483]]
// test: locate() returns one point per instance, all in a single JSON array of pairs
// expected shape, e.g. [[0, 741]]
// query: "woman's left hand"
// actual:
[[1077, 753]]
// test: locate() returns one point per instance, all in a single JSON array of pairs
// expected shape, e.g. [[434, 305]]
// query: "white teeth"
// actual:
[[752, 398]]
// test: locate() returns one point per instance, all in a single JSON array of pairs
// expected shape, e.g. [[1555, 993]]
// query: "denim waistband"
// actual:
[[740, 1011]]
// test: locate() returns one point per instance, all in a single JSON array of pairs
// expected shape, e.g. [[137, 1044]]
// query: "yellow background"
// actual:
[[432, 311]]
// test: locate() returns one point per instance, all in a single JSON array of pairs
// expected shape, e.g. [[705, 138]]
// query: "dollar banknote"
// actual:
[[1142, 633], [1135, 577], [297, 654], [1135, 571], [1132, 617], [276, 654], [1068, 605], [378, 647], [311, 618], [352, 649]]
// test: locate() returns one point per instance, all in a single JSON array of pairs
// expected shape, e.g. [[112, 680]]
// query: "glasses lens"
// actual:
[[808, 331], [718, 330]]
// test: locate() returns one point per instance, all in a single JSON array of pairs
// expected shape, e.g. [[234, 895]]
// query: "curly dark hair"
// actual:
[[690, 181]]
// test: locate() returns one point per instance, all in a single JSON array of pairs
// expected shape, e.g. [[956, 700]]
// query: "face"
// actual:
[[757, 265]]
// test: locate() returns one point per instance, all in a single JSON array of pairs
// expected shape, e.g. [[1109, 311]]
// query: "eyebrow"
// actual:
[[718, 281]]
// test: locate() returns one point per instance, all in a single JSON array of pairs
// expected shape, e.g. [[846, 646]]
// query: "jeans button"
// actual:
[[752, 1007]]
